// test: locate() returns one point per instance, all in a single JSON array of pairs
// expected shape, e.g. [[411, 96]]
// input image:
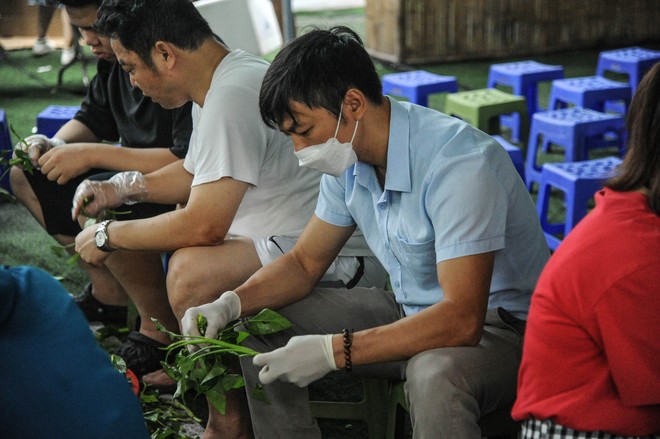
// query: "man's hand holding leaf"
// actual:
[[63, 164], [92, 197], [87, 249], [36, 145], [218, 314]]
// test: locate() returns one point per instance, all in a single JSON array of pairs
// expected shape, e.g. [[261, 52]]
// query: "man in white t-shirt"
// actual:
[[246, 199]]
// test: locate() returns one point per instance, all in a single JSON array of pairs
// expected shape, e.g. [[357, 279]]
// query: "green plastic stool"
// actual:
[[483, 108], [494, 425]]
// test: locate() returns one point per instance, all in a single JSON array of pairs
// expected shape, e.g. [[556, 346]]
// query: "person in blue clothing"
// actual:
[[444, 210], [56, 380]]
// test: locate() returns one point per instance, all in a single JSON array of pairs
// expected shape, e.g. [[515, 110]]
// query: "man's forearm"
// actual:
[[75, 131], [115, 158], [280, 283], [166, 232]]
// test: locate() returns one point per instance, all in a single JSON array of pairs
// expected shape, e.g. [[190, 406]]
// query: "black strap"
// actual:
[[358, 273]]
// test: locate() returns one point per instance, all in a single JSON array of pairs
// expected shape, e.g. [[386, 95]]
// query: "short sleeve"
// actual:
[[95, 110], [331, 206], [466, 203], [181, 130]]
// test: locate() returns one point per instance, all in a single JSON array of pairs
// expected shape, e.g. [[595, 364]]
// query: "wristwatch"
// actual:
[[101, 236]]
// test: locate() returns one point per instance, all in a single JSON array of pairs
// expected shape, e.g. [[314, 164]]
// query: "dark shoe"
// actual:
[[141, 353], [96, 311]]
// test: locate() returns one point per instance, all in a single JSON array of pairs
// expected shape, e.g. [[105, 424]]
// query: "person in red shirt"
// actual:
[[591, 355]]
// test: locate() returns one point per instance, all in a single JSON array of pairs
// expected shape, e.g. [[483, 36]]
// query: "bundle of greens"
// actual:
[[16, 157], [206, 370]]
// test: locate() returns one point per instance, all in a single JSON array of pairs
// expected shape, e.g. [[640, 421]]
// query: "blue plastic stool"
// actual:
[[523, 77], [579, 181], [589, 92], [51, 119], [5, 145], [577, 129], [418, 85], [515, 153], [633, 61]]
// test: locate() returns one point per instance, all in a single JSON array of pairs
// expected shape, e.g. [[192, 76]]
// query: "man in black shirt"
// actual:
[[151, 137]]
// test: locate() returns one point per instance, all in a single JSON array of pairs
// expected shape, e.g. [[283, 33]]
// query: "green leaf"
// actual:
[[267, 322], [232, 381], [73, 258], [118, 363], [217, 398], [217, 371], [259, 394], [240, 336], [202, 323]]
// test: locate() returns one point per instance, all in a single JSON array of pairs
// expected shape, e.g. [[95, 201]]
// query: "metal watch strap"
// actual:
[[103, 228]]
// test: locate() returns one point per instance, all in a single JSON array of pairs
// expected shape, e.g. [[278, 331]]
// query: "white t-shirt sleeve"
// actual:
[[229, 139]]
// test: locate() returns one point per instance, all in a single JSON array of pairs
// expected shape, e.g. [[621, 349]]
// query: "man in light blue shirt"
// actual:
[[444, 210]]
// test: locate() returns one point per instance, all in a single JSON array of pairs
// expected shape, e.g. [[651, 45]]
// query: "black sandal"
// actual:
[[96, 311], [141, 353]]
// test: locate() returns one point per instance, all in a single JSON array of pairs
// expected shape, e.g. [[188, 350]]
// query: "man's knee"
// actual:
[[181, 275], [430, 373], [19, 185]]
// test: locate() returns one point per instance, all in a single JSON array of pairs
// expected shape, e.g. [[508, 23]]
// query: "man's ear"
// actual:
[[164, 54], [355, 103]]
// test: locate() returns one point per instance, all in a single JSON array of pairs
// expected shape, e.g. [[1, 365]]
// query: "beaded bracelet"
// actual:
[[348, 342]]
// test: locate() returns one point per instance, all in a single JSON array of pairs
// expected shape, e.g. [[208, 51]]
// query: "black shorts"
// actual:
[[56, 201]]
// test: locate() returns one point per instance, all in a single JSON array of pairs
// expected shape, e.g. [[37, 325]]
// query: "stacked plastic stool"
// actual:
[[483, 108], [579, 181], [5, 147], [417, 85], [515, 153], [523, 77], [577, 129], [589, 91], [51, 119], [633, 61]]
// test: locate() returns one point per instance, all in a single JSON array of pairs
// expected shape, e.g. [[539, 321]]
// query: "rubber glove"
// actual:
[[38, 145], [93, 196], [303, 360], [218, 314]]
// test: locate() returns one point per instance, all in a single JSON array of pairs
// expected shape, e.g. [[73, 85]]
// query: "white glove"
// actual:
[[121, 188], [304, 359], [218, 314], [38, 145]]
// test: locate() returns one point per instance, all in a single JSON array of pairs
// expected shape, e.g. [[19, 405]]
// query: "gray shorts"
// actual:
[[345, 271]]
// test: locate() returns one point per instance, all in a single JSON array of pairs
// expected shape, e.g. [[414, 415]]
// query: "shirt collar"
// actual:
[[398, 176]]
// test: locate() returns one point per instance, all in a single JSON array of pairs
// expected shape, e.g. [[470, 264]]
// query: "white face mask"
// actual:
[[331, 157]]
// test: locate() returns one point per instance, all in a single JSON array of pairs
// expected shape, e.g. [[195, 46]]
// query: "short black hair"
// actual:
[[139, 24], [317, 69]]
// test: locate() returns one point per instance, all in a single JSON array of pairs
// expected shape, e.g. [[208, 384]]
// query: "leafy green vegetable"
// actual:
[[207, 369], [21, 159]]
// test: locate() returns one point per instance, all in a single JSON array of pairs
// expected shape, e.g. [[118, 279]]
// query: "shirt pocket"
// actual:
[[418, 261]]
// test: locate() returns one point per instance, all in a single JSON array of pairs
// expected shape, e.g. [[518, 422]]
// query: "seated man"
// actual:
[[591, 357], [246, 199], [442, 207], [56, 380], [151, 137]]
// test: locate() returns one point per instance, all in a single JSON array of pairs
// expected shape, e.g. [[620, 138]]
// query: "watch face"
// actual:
[[100, 239]]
